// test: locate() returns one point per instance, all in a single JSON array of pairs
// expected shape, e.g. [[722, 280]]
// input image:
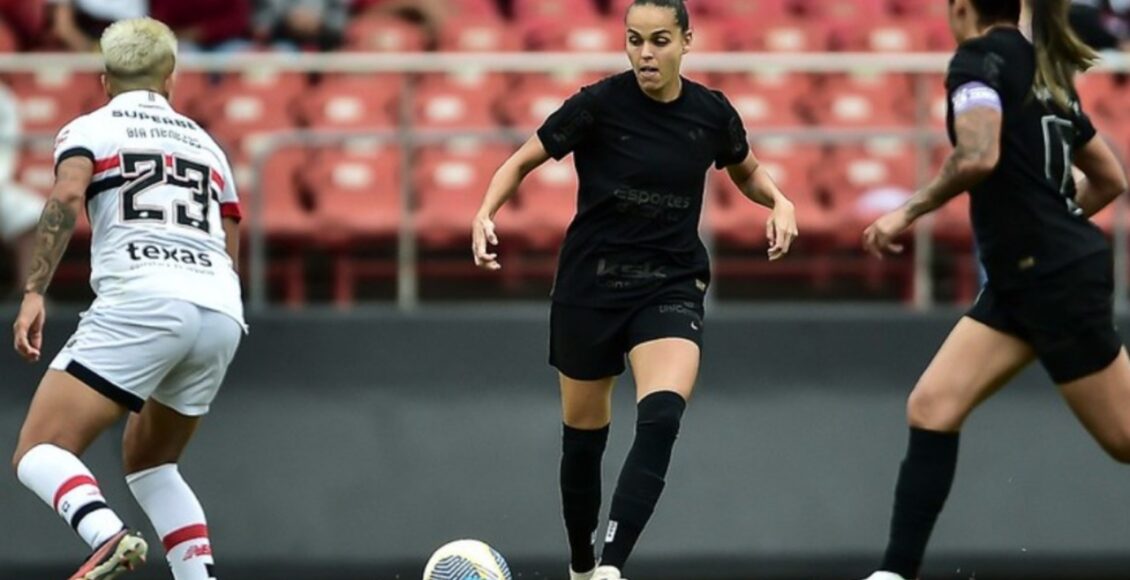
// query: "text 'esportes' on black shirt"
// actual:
[[642, 167], [1024, 214]]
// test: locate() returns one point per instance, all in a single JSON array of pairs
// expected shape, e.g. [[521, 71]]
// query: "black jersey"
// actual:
[[642, 166], [1024, 214]]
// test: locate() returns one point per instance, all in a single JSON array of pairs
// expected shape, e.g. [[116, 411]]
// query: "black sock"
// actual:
[[581, 454], [642, 479], [923, 485]]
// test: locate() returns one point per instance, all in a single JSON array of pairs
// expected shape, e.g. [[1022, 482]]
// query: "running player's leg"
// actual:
[[587, 411], [975, 361], [586, 347], [65, 417], [665, 358], [1101, 401], [155, 439]]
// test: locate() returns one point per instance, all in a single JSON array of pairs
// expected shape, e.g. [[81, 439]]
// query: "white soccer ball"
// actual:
[[467, 560]]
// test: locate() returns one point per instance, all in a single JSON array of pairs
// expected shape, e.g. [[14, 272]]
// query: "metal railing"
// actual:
[[921, 135]]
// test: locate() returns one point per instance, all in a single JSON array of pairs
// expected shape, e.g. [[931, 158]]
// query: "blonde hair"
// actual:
[[138, 52]]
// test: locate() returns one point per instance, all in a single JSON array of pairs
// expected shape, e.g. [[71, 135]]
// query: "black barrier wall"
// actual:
[[367, 439]]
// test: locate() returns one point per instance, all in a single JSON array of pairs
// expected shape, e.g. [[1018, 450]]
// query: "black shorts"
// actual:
[[1067, 317], [588, 343]]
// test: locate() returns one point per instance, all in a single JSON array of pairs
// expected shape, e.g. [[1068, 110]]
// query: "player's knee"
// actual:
[[931, 408], [662, 412]]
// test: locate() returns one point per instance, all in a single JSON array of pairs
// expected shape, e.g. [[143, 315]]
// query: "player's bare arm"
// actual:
[[58, 221], [51, 238], [975, 156], [502, 187], [756, 184], [1103, 176]]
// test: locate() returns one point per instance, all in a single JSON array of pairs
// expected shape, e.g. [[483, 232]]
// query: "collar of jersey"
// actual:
[[141, 97]]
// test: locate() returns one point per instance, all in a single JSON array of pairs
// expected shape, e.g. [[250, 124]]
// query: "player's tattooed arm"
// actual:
[[57, 222], [974, 157]]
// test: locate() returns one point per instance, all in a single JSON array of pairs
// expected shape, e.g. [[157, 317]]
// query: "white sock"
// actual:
[[177, 517], [63, 482]]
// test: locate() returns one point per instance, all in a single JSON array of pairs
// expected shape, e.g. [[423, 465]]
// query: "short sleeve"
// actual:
[[76, 139], [976, 63], [733, 144], [224, 183], [1084, 128], [569, 125]]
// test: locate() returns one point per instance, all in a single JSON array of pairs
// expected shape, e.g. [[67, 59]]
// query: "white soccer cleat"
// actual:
[[581, 575], [607, 573], [885, 576]]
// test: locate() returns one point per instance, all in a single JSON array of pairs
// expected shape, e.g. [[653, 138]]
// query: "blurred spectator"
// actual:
[[19, 207], [301, 23], [1103, 24], [219, 25], [79, 23]]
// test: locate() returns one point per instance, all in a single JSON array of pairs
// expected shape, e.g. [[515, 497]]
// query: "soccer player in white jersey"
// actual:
[[168, 315]]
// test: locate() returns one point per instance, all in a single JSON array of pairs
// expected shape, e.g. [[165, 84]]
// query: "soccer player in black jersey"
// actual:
[[632, 272], [1017, 130]]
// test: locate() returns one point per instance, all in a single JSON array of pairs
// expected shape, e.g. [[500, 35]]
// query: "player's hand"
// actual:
[[781, 229], [482, 233], [29, 327], [879, 236]]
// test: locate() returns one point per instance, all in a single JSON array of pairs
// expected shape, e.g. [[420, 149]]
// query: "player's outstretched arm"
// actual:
[[756, 184], [1103, 176], [52, 235], [502, 187], [231, 239], [974, 157]]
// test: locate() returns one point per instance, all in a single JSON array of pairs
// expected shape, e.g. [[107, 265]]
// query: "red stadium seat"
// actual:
[[866, 181], [380, 33], [783, 35], [50, 99], [536, 96], [922, 9], [739, 222], [547, 201], [188, 88], [352, 102], [450, 182], [245, 106], [356, 190], [843, 10], [278, 206], [767, 100], [357, 194], [882, 35], [863, 100], [553, 10], [479, 35], [729, 9], [457, 102], [711, 35], [589, 33]]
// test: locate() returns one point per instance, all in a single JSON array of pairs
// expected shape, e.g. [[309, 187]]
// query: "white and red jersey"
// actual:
[[160, 188]]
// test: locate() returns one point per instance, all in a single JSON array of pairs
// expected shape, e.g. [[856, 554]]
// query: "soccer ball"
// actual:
[[467, 560]]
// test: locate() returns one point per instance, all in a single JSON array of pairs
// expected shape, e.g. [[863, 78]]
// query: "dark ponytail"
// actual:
[[1059, 52]]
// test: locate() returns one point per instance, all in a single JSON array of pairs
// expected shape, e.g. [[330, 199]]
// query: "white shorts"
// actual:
[[172, 351], [19, 210]]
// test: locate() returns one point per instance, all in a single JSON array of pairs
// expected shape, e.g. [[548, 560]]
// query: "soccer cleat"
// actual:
[[885, 576], [607, 573], [124, 551], [580, 575]]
